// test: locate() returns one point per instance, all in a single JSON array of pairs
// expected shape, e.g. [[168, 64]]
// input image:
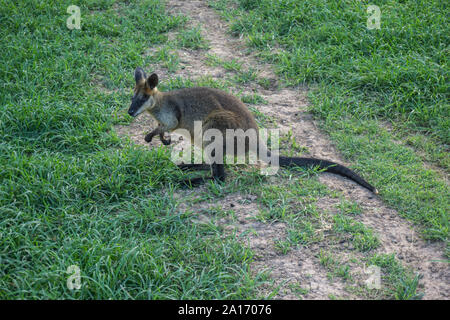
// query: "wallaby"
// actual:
[[178, 109]]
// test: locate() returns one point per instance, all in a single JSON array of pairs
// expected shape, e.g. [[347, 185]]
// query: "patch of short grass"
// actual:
[[398, 70], [263, 120], [230, 65], [205, 81], [294, 197], [298, 289], [396, 281], [335, 267], [253, 98], [166, 57], [355, 232], [289, 146], [192, 39], [349, 207]]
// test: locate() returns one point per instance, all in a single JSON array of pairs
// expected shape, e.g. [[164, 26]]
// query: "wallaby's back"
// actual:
[[210, 105]]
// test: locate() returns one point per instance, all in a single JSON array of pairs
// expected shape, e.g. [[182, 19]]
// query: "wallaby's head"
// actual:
[[144, 93]]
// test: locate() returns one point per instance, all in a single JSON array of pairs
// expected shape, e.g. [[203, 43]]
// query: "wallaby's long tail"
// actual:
[[329, 166]]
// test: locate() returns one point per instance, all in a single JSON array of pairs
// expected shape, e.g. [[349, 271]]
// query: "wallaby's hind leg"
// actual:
[[195, 182], [218, 172], [217, 169]]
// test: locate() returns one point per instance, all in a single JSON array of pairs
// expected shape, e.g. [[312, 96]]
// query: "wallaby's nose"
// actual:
[[130, 112]]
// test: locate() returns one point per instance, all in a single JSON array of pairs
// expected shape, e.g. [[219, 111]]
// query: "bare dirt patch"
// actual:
[[288, 107]]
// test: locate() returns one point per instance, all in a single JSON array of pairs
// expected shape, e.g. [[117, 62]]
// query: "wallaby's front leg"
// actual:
[[158, 131], [149, 137], [167, 122]]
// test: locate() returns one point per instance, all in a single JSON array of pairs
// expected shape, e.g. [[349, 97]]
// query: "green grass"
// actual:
[[242, 76], [362, 79], [396, 281], [335, 267], [253, 99], [298, 290], [71, 191], [416, 192], [295, 203], [293, 199], [290, 147], [361, 237], [349, 208], [192, 39], [204, 81], [232, 65], [263, 120], [167, 57]]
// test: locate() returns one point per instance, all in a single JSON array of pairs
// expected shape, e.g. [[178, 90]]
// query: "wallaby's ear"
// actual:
[[152, 81], [139, 75]]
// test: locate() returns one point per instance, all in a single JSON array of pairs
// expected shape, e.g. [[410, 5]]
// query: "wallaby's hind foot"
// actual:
[[218, 173], [194, 166], [195, 182]]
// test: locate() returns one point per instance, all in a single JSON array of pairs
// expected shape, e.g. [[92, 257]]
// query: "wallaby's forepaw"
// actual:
[[149, 137]]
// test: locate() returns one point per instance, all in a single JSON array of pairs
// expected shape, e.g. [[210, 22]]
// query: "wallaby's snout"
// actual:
[[132, 108], [136, 104]]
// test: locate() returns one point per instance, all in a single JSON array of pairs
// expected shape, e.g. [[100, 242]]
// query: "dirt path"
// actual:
[[288, 107]]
